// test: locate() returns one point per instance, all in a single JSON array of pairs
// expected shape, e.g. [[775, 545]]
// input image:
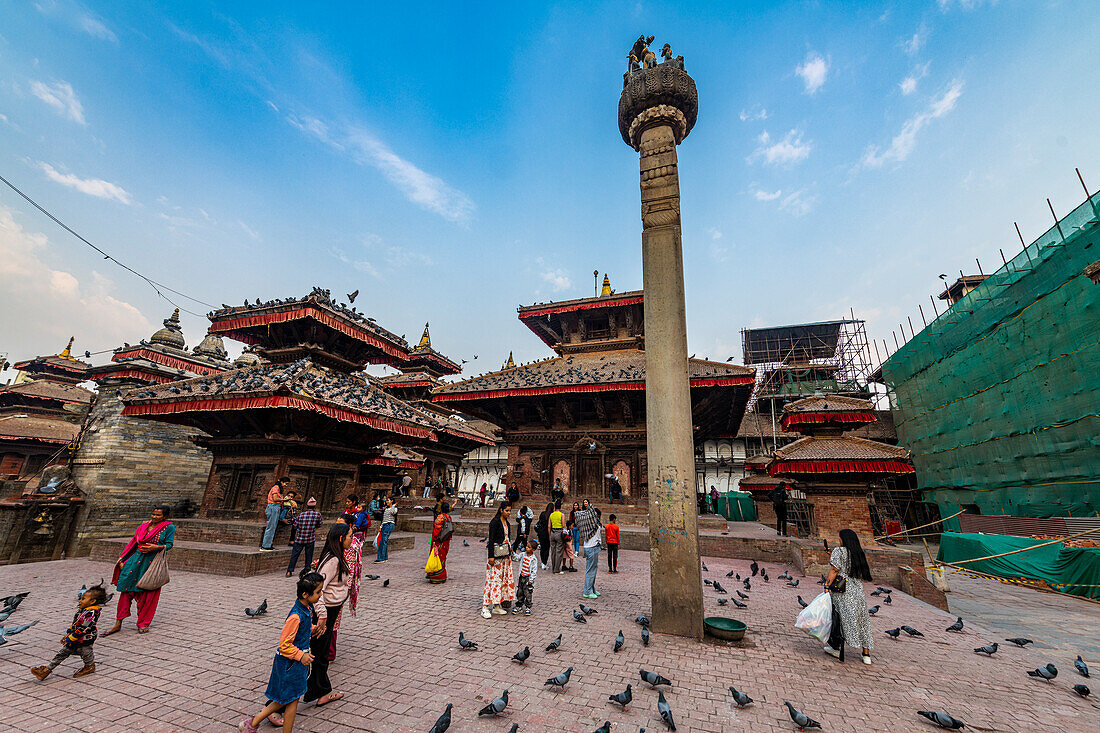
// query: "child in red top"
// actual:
[[611, 537]]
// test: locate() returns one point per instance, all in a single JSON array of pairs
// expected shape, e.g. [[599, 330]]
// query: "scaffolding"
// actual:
[[797, 361]]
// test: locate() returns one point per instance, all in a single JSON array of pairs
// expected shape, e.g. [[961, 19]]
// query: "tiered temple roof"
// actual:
[[63, 367], [163, 358]]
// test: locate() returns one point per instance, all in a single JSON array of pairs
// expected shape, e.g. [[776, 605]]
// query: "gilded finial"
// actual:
[[425, 339], [606, 286], [510, 364], [67, 352]]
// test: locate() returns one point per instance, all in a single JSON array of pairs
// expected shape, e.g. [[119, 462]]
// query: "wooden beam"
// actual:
[[543, 415], [628, 414], [569, 419], [601, 409]]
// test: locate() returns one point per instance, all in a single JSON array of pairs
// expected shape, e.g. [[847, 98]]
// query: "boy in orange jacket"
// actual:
[[611, 537]]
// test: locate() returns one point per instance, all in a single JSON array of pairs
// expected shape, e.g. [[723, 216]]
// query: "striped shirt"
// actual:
[[529, 566]]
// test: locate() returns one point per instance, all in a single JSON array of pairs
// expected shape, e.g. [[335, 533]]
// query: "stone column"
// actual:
[[657, 109]]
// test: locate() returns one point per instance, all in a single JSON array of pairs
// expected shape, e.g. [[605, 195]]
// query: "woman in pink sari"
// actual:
[[150, 538]]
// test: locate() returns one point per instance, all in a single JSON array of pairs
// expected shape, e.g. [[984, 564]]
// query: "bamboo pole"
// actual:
[[1025, 549], [907, 531]]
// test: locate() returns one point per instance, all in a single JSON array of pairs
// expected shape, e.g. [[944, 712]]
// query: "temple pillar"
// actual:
[[657, 109]]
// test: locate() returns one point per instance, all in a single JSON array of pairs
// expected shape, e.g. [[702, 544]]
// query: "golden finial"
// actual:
[[67, 352], [606, 286], [425, 339], [510, 364]]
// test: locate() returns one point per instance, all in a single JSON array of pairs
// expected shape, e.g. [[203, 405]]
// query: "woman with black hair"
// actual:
[[847, 570], [542, 531], [150, 539], [500, 583], [334, 592]]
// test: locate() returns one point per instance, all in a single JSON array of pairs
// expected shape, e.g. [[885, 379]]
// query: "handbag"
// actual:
[[502, 550], [839, 584], [446, 530], [378, 539], [156, 575]]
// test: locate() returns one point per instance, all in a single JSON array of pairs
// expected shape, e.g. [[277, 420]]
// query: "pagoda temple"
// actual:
[[308, 413], [579, 417], [837, 472]]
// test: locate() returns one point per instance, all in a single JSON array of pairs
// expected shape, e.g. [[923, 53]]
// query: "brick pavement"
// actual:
[[205, 665]]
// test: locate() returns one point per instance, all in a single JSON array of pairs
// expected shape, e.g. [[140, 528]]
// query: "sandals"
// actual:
[[108, 632], [332, 697], [276, 719], [143, 629]]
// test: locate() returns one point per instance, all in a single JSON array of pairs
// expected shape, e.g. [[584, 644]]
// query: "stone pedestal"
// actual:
[[656, 111], [834, 512]]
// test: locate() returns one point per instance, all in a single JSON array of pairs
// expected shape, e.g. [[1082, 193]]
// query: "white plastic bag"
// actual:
[[816, 619]]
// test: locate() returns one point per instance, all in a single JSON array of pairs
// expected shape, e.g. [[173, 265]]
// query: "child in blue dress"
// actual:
[[290, 669]]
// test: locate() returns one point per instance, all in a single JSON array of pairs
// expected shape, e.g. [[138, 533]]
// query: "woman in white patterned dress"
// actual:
[[850, 607]]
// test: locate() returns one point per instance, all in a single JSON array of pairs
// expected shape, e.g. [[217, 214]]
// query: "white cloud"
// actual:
[[360, 265], [61, 97], [396, 256], [908, 85], [91, 186], [63, 305], [719, 252], [247, 229], [791, 149], [946, 5], [556, 277], [714, 232], [96, 27], [913, 45], [904, 142], [798, 203], [813, 72], [76, 15], [760, 195], [754, 113]]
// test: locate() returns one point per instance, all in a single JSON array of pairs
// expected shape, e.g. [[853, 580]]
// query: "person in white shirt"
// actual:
[[525, 586]]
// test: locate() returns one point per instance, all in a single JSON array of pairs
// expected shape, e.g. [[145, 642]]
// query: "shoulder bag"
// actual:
[[156, 575], [446, 530], [839, 584]]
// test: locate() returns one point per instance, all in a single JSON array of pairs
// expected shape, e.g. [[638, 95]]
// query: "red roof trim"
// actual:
[[786, 467], [273, 401], [470, 436], [231, 327], [173, 362], [394, 462], [580, 388], [133, 374], [444, 362], [405, 385], [58, 441], [22, 366], [602, 303], [797, 418]]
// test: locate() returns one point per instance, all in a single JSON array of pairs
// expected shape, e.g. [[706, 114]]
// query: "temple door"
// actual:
[[590, 481]]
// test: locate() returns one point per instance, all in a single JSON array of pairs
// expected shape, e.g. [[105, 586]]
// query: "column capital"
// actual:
[[661, 95]]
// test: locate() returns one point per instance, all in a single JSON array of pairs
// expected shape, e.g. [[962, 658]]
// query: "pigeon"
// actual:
[[708, 582], [793, 583], [560, 680], [1020, 642], [465, 543], [1082, 690], [704, 567], [1048, 672], [5, 613], [465, 643], [957, 626], [665, 710], [748, 585], [737, 577], [1082, 668], [723, 601], [351, 299], [738, 603], [645, 637], [888, 600], [802, 602], [740, 698], [605, 728], [653, 678], [623, 698], [893, 633], [588, 611], [742, 596], [989, 650], [259, 610], [754, 568], [643, 620], [718, 588], [522, 656], [911, 631], [764, 575], [386, 583], [729, 574], [496, 707], [12, 601], [444, 721], [372, 577], [619, 641], [6, 631], [554, 645], [873, 610], [579, 617], [875, 593], [514, 728], [943, 720], [887, 591], [784, 576], [800, 719]]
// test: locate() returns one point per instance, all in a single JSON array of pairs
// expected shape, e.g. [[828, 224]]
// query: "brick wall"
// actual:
[[128, 466], [834, 513]]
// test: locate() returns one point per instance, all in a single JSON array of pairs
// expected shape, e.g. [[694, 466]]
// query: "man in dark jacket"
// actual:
[[778, 496]]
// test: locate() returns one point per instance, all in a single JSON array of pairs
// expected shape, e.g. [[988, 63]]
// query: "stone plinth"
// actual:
[[834, 512]]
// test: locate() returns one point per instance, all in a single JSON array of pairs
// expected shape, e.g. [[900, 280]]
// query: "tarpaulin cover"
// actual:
[[1075, 571]]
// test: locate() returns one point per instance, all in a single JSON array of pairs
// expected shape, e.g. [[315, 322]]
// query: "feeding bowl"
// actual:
[[729, 629]]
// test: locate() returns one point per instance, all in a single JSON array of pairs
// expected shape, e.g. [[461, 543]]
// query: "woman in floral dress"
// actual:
[[500, 582], [850, 607]]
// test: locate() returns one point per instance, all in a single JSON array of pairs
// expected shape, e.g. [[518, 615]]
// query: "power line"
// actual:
[[156, 286]]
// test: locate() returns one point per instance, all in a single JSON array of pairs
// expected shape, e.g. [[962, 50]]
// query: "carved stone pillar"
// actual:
[[657, 110]]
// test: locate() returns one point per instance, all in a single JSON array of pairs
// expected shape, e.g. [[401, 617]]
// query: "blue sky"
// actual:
[[452, 162]]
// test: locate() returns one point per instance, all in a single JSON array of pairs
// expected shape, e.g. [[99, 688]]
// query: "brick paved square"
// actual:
[[205, 665]]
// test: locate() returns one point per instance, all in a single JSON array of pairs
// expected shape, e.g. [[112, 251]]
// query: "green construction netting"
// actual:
[[1075, 571], [998, 397]]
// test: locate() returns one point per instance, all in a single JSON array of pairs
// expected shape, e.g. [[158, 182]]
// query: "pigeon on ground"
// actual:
[[645, 636], [6, 631], [738, 603], [943, 720], [723, 601], [911, 631], [729, 574], [444, 721], [793, 583], [605, 728], [754, 568], [802, 602], [764, 575], [619, 641], [708, 582], [588, 611], [259, 610], [893, 633], [747, 584], [578, 616], [5, 614], [875, 593], [957, 626], [482, 540], [386, 583], [623, 698], [522, 656], [514, 728], [718, 588], [989, 649], [496, 707], [737, 577], [554, 645], [801, 720], [887, 591], [1082, 668], [740, 698], [784, 576], [465, 643], [372, 577], [560, 680], [643, 620], [873, 610], [1020, 642], [465, 543], [1048, 672], [888, 600], [653, 679], [742, 596], [705, 567], [1082, 690], [665, 710]]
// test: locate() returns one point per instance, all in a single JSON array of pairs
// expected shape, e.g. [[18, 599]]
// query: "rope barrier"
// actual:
[[1034, 583], [907, 531]]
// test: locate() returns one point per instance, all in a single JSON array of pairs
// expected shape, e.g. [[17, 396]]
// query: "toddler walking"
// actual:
[[525, 586], [81, 635], [290, 669]]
